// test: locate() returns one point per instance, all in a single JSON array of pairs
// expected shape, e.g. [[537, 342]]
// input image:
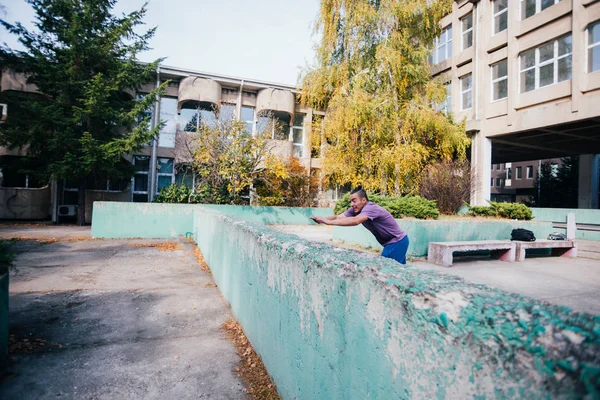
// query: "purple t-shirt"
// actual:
[[380, 223]]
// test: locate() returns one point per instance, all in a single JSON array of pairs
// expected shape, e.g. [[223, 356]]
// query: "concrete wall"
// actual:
[[153, 220], [582, 216], [422, 232], [332, 323], [21, 203]]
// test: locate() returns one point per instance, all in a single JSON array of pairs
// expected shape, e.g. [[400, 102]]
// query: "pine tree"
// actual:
[[83, 61]]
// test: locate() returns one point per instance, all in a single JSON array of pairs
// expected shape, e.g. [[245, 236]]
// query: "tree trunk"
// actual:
[[81, 203]]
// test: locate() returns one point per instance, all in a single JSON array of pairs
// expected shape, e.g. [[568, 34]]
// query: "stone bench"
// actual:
[[562, 248], [440, 253]]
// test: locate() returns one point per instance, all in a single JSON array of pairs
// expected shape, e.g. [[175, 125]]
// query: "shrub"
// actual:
[[399, 207], [448, 183], [502, 210]]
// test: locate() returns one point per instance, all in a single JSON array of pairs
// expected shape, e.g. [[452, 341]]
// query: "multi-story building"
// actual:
[[514, 182], [191, 97], [526, 77]]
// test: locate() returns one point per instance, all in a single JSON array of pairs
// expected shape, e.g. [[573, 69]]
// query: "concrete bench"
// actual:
[[440, 253], [562, 248]]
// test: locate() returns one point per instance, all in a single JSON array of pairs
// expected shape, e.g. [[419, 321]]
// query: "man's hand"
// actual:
[[318, 220]]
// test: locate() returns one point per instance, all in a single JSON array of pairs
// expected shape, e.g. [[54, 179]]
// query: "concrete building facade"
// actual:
[[191, 98], [526, 77]]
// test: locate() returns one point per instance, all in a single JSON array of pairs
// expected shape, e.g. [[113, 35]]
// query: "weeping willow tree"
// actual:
[[373, 79]]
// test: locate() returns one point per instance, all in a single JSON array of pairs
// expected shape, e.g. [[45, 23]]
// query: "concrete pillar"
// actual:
[[481, 164], [589, 175], [571, 226]]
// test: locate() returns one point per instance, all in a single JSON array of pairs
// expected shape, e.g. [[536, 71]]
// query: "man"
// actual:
[[377, 220]]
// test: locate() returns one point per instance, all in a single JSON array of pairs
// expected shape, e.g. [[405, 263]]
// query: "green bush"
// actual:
[[399, 207], [184, 194], [502, 210]]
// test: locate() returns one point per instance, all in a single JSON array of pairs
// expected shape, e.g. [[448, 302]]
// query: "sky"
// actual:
[[269, 40]]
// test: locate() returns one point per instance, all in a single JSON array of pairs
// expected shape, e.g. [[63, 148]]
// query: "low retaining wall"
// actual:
[[158, 220], [582, 216], [421, 232], [333, 323]]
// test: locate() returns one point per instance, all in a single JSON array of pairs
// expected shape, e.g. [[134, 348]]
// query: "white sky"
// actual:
[[268, 40]]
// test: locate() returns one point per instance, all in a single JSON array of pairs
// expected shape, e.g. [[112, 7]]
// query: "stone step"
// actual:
[[588, 249]]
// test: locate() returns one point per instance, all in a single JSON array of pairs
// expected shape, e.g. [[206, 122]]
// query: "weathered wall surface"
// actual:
[[582, 216], [421, 232], [114, 220], [21, 203], [333, 323], [153, 220]]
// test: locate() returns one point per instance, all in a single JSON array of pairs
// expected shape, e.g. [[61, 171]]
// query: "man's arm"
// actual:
[[341, 220]]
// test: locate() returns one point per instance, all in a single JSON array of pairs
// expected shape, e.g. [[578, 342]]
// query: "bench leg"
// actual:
[[565, 252], [504, 255], [447, 258], [519, 253]]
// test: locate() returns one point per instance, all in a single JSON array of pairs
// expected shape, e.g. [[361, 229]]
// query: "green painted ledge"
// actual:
[[155, 220], [334, 323]]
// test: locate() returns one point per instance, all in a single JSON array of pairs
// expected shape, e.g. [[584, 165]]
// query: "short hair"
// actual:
[[360, 192]]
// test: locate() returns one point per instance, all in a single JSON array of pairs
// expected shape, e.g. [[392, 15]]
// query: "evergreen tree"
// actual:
[[83, 61]]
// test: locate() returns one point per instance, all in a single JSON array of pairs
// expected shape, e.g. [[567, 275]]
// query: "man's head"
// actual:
[[358, 199]]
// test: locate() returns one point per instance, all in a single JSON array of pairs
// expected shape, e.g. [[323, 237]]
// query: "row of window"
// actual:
[[545, 65], [193, 114]]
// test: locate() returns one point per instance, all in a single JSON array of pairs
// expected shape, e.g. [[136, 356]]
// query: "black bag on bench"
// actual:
[[522, 235]]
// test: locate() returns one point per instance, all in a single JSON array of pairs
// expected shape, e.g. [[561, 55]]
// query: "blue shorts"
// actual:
[[396, 251]]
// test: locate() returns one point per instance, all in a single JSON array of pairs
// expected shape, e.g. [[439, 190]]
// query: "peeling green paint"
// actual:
[[334, 323]]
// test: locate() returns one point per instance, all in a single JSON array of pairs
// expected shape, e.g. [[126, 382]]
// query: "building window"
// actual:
[[247, 116], [446, 106], [165, 175], [546, 65], [492, 183], [531, 7], [227, 112], [499, 80], [466, 91], [593, 47], [498, 167], [509, 173], [168, 115], [442, 46], [530, 172], [519, 171], [499, 182], [298, 135], [500, 16], [467, 31], [193, 114], [274, 124], [141, 166]]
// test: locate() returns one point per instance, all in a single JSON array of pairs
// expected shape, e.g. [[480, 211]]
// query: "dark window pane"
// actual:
[[500, 5], [140, 183], [118, 184], [188, 120], [298, 135], [141, 163], [165, 165], [547, 3], [163, 182], [528, 8], [565, 45], [140, 198], [298, 119], [546, 52], [594, 33], [546, 75]]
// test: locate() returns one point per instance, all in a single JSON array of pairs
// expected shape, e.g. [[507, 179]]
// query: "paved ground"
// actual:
[[105, 320], [570, 282]]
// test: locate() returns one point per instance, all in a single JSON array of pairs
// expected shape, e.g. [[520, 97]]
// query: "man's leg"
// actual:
[[396, 251]]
